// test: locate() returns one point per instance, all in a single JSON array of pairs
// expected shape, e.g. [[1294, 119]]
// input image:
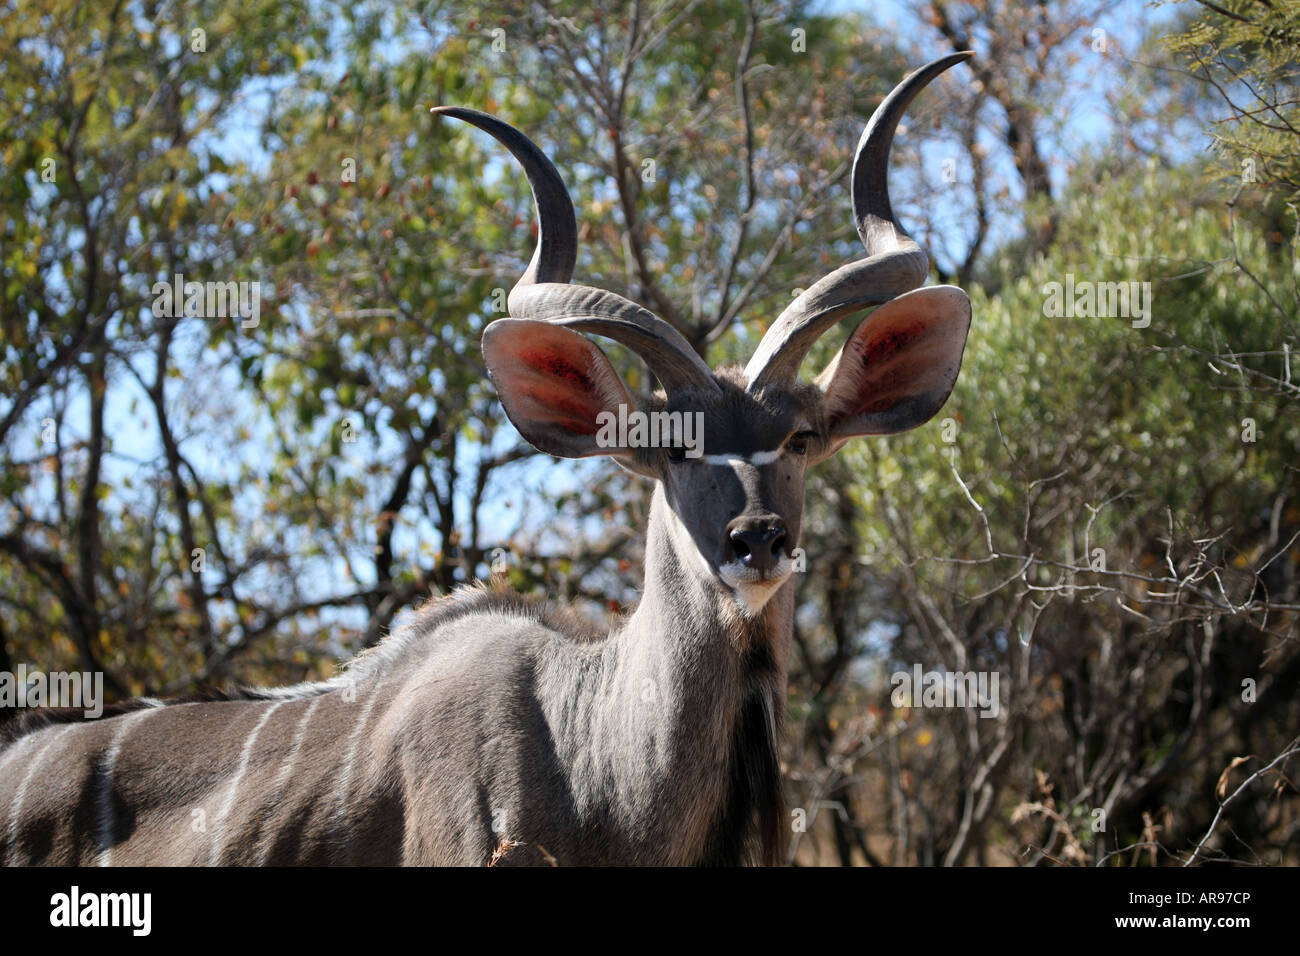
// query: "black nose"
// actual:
[[757, 541]]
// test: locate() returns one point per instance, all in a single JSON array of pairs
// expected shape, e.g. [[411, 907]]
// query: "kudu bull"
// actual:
[[497, 729]]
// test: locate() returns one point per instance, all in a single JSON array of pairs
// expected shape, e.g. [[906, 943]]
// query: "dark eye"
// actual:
[[676, 453], [798, 445]]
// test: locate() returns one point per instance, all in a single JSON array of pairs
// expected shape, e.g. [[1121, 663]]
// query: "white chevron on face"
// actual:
[[756, 458]]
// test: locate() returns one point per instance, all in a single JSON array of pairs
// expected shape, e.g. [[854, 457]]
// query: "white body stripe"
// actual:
[[20, 796], [345, 778], [282, 779], [219, 825], [104, 799]]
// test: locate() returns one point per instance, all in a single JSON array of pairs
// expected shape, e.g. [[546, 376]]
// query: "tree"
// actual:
[[1100, 518], [1247, 54]]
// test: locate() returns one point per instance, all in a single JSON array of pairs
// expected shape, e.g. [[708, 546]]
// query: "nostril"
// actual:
[[738, 544], [778, 543]]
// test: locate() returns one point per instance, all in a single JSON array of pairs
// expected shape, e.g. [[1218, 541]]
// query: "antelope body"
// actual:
[[498, 730]]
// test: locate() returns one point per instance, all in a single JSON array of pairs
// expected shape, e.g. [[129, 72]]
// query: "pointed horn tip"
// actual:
[[477, 118], [458, 112], [937, 67], [941, 65], [950, 58]]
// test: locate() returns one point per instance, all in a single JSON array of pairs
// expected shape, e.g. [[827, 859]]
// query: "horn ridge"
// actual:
[[599, 312]]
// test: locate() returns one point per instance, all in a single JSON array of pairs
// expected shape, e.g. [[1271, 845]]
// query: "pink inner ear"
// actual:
[[553, 383], [573, 411], [558, 365], [900, 361], [558, 388], [888, 342]]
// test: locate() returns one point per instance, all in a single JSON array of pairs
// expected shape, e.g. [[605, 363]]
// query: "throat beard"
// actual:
[[750, 829], [750, 628]]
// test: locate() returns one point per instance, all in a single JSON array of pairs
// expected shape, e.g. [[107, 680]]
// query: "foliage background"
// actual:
[[1105, 515]]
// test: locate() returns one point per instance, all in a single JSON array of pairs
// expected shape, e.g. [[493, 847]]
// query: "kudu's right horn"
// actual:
[[544, 294], [895, 264]]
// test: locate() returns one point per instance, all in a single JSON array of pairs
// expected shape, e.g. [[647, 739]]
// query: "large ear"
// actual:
[[553, 384], [898, 367]]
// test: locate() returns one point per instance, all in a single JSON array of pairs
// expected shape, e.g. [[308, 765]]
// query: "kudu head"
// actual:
[[737, 495]]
